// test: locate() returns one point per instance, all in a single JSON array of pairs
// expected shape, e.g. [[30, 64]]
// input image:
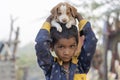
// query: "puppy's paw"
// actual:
[[56, 25], [68, 25], [59, 28]]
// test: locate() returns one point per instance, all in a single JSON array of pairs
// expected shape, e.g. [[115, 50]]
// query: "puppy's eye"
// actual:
[[59, 13], [68, 13]]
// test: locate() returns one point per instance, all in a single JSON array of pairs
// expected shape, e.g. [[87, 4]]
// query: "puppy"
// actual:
[[63, 13]]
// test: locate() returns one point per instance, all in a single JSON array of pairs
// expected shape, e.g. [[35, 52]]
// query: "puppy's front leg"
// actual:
[[70, 23], [56, 25]]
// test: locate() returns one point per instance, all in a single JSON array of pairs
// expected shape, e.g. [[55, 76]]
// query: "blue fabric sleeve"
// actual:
[[88, 48], [42, 47]]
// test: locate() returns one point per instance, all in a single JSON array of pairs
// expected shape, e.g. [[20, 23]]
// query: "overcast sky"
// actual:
[[27, 14]]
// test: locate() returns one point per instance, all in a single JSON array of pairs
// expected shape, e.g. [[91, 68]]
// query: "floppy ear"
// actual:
[[54, 10], [72, 9]]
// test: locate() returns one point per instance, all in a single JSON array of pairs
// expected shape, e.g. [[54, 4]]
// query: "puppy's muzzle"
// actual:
[[64, 20]]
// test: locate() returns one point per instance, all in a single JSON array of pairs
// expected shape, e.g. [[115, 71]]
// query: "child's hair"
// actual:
[[66, 33]]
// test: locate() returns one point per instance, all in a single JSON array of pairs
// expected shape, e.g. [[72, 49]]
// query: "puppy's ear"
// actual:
[[72, 9], [54, 10]]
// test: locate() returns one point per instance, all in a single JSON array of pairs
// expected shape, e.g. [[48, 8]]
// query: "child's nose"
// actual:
[[66, 51]]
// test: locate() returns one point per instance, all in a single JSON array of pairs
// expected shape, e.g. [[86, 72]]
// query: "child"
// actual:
[[73, 59]]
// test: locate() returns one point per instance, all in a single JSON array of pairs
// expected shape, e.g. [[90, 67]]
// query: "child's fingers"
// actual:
[[80, 44], [81, 40]]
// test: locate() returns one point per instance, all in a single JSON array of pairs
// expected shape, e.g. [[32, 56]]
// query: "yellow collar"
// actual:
[[74, 58]]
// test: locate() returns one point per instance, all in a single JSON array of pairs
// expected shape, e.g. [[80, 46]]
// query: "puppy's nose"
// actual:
[[64, 20]]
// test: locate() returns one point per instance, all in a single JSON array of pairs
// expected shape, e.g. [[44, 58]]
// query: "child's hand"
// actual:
[[49, 19], [47, 24], [80, 44]]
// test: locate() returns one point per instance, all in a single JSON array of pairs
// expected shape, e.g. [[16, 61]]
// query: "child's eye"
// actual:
[[72, 46], [61, 46]]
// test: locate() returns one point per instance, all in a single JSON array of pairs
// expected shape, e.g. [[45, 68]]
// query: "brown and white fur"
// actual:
[[63, 13]]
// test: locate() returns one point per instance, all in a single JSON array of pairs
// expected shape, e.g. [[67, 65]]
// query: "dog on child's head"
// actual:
[[63, 13]]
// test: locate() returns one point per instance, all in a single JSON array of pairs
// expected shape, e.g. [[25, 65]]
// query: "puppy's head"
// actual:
[[63, 12]]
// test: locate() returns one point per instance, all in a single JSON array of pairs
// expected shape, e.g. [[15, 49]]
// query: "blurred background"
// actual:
[[20, 21]]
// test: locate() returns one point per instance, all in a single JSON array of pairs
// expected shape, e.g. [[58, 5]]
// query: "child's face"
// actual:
[[65, 48]]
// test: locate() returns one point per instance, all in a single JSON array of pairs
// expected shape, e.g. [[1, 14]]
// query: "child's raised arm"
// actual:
[[42, 46], [89, 45]]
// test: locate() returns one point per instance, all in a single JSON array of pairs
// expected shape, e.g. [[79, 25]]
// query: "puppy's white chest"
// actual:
[[58, 26]]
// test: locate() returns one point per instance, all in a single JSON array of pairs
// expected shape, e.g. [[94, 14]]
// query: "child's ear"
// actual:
[[51, 48]]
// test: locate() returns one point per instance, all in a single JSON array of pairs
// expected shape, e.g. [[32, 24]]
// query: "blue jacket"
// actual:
[[51, 68]]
